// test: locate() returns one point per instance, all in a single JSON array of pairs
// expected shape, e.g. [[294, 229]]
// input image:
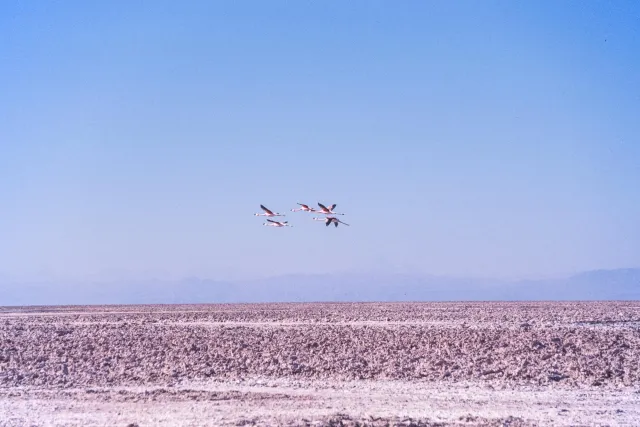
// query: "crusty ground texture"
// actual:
[[322, 364]]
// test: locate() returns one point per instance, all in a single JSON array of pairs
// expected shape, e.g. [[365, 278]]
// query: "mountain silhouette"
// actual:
[[618, 284]]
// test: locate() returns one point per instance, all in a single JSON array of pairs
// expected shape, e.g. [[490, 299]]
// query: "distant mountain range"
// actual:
[[619, 284]]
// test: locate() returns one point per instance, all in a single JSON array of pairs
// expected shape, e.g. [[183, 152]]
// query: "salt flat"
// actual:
[[526, 363]]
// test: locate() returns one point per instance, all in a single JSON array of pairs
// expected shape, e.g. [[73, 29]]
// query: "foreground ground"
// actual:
[[447, 364]]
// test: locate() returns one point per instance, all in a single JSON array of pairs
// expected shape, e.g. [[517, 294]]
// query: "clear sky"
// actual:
[[493, 138]]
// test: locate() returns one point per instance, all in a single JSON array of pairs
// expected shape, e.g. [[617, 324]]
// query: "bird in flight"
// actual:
[[273, 223], [267, 212], [325, 210], [304, 207], [330, 219]]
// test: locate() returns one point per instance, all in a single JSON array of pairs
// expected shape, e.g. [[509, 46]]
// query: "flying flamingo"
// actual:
[[267, 212], [304, 207], [327, 211], [277, 223], [328, 220]]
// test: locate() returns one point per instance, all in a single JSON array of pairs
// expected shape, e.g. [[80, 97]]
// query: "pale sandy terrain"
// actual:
[[446, 364]]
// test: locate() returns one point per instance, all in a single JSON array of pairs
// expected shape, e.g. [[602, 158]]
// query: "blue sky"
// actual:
[[495, 138]]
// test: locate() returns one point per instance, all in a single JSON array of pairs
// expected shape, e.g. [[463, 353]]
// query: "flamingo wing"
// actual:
[[266, 210]]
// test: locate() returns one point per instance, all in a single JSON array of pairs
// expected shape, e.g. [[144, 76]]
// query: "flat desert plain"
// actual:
[[322, 364]]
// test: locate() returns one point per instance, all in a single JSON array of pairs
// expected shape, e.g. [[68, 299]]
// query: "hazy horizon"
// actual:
[[495, 139], [619, 284], [123, 277]]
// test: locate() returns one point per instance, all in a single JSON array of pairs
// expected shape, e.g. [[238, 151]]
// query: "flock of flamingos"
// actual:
[[328, 212]]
